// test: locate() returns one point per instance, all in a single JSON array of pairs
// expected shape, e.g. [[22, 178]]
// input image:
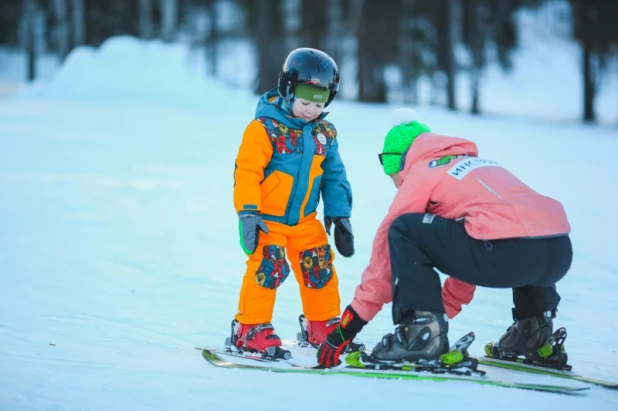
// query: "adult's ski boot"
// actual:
[[455, 361], [532, 341], [422, 335]]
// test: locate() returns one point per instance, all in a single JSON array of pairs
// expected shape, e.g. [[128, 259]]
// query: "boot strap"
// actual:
[[259, 328]]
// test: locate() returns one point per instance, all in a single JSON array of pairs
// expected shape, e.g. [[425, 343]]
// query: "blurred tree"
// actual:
[[265, 23], [79, 22], [595, 26], [107, 18], [313, 23], [489, 23], [169, 16], [146, 25], [335, 29], [292, 21], [213, 38], [447, 22], [30, 32], [377, 45], [62, 33], [418, 43], [10, 13]]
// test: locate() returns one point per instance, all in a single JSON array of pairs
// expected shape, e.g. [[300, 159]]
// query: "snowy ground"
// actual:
[[120, 251]]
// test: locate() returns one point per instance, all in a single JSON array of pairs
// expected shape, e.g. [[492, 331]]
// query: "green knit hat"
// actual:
[[406, 128], [311, 93]]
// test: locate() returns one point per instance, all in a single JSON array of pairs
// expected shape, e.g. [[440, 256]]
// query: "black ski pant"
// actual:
[[420, 242]]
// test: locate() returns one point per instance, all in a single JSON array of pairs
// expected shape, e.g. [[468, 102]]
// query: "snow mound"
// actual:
[[127, 69]]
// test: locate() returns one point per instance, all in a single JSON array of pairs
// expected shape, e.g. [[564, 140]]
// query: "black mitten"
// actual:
[[344, 239]]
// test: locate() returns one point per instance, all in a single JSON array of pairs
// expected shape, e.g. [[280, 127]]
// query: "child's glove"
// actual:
[[344, 239], [330, 350], [249, 224]]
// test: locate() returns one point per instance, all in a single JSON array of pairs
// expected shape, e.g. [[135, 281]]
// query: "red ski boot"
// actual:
[[259, 338], [317, 331]]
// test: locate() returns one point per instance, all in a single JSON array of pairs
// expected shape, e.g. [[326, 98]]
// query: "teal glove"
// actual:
[[249, 225]]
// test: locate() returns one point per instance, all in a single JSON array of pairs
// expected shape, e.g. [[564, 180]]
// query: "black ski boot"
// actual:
[[526, 336], [532, 340], [421, 336]]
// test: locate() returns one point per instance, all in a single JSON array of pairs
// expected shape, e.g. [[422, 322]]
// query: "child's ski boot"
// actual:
[[531, 341], [260, 338], [314, 333]]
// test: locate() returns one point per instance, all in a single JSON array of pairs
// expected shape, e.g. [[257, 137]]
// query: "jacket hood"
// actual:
[[430, 146]]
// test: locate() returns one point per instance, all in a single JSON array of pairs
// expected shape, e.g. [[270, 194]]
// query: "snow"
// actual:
[[120, 251], [403, 115]]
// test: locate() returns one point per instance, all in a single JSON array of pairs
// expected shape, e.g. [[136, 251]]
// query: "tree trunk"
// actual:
[[29, 18], [62, 29], [475, 84], [314, 27], [406, 50], [292, 15], [169, 13], [146, 25], [589, 89], [263, 38], [451, 10], [477, 45], [213, 39], [371, 87], [334, 18], [79, 23]]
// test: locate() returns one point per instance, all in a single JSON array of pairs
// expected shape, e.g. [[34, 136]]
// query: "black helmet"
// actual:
[[309, 66]]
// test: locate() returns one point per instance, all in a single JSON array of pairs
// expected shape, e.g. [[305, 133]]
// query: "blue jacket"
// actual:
[[284, 164]]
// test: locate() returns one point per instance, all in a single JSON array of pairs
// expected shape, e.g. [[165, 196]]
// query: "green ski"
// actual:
[[214, 358], [535, 369], [556, 365]]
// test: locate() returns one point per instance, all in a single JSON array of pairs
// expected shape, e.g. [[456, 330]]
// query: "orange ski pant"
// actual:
[[310, 259]]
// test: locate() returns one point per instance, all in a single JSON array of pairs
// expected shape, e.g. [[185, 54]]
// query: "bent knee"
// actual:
[[274, 268], [316, 266], [406, 224]]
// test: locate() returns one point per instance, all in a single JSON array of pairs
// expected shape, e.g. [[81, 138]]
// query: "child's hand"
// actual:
[[344, 239], [249, 225]]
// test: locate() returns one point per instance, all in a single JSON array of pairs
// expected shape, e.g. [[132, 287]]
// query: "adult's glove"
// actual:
[[249, 225], [344, 239], [330, 350]]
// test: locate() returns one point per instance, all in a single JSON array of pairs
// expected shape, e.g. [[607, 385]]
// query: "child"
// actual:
[[474, 221], [288, 158]]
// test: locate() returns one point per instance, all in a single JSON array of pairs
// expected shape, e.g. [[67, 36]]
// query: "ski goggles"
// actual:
[[387, 154]]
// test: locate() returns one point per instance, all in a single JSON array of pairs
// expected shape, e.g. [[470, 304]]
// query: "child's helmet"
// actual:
[[309, 66]]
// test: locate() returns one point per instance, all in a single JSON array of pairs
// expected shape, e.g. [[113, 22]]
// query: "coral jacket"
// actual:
[[443, 176], [284, 164]]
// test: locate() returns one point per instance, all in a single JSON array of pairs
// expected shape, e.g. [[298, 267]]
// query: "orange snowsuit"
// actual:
[[283, 166]]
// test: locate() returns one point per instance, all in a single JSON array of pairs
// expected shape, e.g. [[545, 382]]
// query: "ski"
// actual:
[[550, 359], [455, 361], [536, 369], [249, 355], [216, 359]]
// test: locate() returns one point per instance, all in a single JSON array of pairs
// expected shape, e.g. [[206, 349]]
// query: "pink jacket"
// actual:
[[493, 203]]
